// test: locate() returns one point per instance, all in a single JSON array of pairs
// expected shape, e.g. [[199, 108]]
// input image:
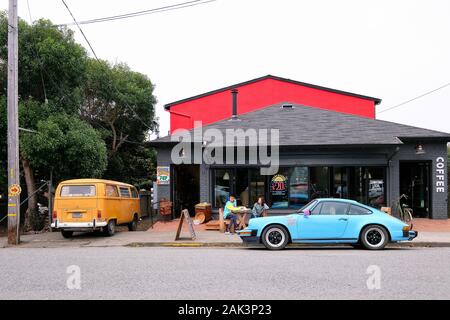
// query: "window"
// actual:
[[111, 191], [298, 187], [222, 186], [319, 181], [134, 193], [125, 192], [279, 189], [316, 209], [333, 208], [257, 185], [357, 210], [78, 191], [242, 190]]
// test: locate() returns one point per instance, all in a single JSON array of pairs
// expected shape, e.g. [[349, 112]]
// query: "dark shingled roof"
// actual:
[[308, 126]]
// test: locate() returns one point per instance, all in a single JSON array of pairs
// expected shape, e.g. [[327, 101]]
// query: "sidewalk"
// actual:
[[432, 233]]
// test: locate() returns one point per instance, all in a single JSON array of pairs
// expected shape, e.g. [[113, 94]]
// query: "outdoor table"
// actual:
[[242, 215]]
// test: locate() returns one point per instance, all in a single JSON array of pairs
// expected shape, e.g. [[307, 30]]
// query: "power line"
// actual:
[[79, 28], [415, 98], [142, 12], [36, 54], [96, 58]]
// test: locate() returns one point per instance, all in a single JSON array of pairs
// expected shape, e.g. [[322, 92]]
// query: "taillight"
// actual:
[[99, 214], [54, 214]]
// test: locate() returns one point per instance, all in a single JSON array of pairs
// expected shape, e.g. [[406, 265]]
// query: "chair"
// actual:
[[223, 222]]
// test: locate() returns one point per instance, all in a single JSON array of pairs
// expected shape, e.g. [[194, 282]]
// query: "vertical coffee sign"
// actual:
[[163, 175], [440, 174]]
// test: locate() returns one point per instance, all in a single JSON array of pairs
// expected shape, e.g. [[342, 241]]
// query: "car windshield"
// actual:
[[308, 206]]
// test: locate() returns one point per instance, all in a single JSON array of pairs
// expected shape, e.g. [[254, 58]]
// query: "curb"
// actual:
[[242, 245]]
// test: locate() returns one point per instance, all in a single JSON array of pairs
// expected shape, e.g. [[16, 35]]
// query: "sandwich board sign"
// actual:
[[185, 216]]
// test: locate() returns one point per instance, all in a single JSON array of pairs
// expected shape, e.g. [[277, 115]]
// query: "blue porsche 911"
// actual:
[[329, 221]]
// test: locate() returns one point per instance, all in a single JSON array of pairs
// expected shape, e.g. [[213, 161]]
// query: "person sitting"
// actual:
[[230, 207], [259, 208]]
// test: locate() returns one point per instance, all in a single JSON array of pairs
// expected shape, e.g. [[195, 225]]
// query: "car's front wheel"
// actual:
[[374, 237], [275, 237]]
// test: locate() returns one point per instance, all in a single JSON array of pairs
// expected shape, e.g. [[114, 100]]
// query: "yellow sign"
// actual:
[[14, 190]]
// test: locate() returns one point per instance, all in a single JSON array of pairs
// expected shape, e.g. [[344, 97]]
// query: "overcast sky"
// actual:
[[393, 50]]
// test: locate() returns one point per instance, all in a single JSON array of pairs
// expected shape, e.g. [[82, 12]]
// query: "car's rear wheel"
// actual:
[[374, 237], [67, 234], [275, 237], [132, 226], [110, 228]]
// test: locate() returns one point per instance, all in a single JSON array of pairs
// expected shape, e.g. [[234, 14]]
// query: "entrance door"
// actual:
[[415, 183], [186, 191]]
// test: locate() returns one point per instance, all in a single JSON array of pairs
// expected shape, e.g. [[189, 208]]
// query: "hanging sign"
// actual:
[[278, 185], [163, 175]]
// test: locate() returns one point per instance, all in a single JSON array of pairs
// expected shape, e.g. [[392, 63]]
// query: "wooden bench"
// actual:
[[220, 224]]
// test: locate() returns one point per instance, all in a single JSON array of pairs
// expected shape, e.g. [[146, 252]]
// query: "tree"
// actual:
[[120, 103], [51, 73], [66, 145]]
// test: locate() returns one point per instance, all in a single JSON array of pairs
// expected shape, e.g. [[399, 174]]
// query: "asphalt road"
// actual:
[[221, 273]]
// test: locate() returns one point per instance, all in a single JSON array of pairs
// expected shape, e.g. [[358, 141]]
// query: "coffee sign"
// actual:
[[440, 174]]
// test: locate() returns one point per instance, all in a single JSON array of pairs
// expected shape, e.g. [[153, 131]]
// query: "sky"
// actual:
[[393, 50]]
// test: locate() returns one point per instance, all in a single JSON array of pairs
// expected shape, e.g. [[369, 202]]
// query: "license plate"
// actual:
[[77, 215]]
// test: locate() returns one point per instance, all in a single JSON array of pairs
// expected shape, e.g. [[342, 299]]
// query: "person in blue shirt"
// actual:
[[230, 207]]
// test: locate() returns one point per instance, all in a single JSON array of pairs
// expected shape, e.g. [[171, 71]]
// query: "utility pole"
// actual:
[[13, 128]]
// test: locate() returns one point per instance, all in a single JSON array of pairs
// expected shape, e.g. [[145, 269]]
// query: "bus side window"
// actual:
[[111, 191], [134, 193]]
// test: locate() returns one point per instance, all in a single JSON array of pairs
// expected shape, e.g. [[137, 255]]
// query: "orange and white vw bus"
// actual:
[[94, 204]]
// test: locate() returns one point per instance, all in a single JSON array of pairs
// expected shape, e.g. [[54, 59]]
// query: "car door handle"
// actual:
[[343, 219]]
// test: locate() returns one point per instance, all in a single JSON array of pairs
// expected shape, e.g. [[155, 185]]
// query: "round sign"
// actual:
[[14, 190]]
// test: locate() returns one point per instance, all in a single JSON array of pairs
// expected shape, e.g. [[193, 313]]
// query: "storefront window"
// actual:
[[376, 186], [279, 189], [257, 185], [340, 182], [298, 187], [293, 187], [319, 181], [242, 189], [222, 186]]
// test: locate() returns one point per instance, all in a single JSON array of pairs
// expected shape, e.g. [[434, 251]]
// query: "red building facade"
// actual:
[[259, 93]]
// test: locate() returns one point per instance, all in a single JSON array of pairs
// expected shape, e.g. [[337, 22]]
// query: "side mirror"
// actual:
[[306, 213]]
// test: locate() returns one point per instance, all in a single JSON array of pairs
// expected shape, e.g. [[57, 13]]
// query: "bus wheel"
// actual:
[[110, 228], [132, 226], [67, 234]]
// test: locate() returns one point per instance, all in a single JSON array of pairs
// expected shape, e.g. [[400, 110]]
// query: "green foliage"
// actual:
[[120, 103], [68, 146], [119, 100], [51, 64], [86, 111]]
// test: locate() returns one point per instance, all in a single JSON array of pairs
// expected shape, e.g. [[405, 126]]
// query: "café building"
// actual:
[[330, 145]]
